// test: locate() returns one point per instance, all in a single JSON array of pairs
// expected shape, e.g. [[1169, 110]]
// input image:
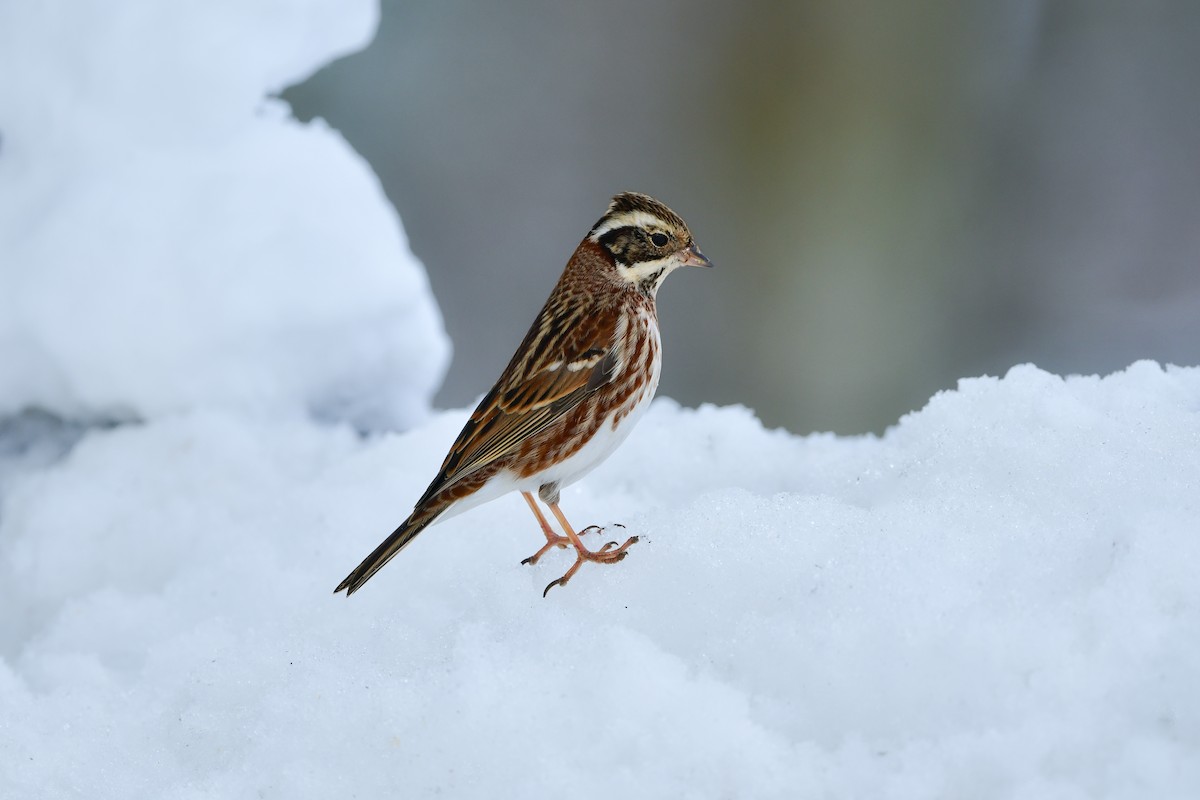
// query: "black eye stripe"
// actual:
[[610, 238], [634, 244]]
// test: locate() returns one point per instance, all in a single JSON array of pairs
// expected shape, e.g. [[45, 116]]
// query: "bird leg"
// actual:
[[605, 555], [552, 538]]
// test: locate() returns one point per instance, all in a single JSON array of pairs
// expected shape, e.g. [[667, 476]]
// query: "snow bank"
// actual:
[[170, 240], [998, 598]]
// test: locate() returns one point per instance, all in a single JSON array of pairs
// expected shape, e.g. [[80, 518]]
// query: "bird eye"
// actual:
[[659, 239]]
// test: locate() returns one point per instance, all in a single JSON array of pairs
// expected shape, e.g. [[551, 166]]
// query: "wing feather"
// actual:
[[562, 360]]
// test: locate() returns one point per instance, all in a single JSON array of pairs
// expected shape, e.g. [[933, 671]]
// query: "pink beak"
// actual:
[[694, 258]]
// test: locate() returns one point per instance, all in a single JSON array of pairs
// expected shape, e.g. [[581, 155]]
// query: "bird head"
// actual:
[[647, 241]]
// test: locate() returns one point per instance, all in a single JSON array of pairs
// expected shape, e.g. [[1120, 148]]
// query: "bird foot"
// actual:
[[605, 555], [554, 540]]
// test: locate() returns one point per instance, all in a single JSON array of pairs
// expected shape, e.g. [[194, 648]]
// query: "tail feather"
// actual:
[[386, 551]]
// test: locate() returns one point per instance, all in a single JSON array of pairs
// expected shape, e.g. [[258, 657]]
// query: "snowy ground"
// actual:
[[201, 303], [996, 599]]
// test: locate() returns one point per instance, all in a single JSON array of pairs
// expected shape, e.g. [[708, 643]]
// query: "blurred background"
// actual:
[[895, 195]]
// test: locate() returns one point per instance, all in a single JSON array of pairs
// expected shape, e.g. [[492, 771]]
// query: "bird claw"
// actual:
[[601, 528], [533, 559], [610, 556]]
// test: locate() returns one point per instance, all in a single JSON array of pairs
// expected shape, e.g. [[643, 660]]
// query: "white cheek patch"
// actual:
[[628, 219], [643, 270]]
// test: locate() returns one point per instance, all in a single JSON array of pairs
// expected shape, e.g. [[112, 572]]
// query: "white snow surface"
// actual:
[[170, 240], [997, 598]]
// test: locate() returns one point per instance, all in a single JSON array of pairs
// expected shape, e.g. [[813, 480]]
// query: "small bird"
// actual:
[[583, 375]]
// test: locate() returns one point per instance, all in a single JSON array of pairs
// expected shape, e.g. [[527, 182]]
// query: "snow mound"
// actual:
[[171, 240], [997, 598]]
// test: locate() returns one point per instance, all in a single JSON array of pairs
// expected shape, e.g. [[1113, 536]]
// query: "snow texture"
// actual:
[[171, 240], [998, 598]]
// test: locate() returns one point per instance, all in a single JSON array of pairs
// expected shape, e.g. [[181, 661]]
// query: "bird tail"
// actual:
[[386, 551]]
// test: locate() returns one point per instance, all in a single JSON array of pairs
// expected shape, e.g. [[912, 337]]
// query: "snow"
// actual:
[[997, 598], [202, 303], [217, 252]]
